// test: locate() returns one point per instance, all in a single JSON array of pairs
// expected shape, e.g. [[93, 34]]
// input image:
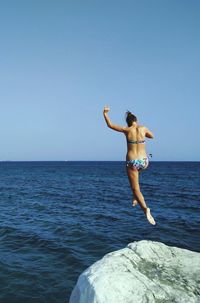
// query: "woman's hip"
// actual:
[[139, 163]]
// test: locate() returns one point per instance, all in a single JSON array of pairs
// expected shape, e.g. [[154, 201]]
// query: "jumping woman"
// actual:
[[136, 157]]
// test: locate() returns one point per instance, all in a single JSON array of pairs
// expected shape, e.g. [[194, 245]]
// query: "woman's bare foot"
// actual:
[[149, 217], [135, 202]]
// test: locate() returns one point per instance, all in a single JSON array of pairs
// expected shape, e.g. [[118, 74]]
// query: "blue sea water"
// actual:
[[57, 218]]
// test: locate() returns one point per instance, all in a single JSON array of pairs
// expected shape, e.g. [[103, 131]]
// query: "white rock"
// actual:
[[143, 272]]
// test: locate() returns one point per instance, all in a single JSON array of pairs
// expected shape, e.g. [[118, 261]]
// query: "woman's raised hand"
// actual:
[[106, 109]]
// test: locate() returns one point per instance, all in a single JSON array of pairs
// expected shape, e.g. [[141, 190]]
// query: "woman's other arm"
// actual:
[[148, 133]]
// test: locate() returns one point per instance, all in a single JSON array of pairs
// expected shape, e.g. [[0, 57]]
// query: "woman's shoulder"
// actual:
[[142, 129], [141, 126]]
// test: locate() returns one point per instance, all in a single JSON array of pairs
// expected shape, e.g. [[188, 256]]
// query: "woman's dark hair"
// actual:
[[130, 118]]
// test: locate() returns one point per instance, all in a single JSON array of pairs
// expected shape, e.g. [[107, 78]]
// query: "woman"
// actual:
[[136, 157]]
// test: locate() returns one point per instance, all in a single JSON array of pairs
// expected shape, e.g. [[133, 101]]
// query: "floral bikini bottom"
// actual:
[[138, 164]]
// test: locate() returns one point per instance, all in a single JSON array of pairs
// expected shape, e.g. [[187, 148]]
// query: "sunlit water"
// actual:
[[57, 218]]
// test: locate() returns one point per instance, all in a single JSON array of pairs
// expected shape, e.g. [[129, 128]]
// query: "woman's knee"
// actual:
[[136, 190]]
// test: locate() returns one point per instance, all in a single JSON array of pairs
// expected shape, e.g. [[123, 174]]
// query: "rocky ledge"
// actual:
[[144, 271]]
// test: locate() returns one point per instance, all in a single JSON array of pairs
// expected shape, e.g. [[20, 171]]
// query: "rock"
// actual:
[[144, 271]]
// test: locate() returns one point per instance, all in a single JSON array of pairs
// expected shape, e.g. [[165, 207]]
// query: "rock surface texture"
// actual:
[[143, 272]]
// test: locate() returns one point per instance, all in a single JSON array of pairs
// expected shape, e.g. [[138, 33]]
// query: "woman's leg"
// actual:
[[133, 176], [134, 201]]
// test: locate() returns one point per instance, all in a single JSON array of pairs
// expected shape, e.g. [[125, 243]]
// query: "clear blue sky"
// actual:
[[62, 61]]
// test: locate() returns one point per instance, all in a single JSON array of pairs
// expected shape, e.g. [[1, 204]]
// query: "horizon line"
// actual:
[[94, 161]]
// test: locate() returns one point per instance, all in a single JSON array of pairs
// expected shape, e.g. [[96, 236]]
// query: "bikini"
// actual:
[[135, 142], [139, 164]]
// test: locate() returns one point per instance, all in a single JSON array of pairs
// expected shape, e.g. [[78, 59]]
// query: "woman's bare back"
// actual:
[[135, 136]]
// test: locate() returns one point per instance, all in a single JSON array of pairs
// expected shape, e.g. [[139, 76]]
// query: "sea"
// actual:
[[58, 218]]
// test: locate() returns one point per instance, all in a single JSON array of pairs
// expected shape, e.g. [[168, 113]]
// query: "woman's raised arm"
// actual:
[[110, 124]]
